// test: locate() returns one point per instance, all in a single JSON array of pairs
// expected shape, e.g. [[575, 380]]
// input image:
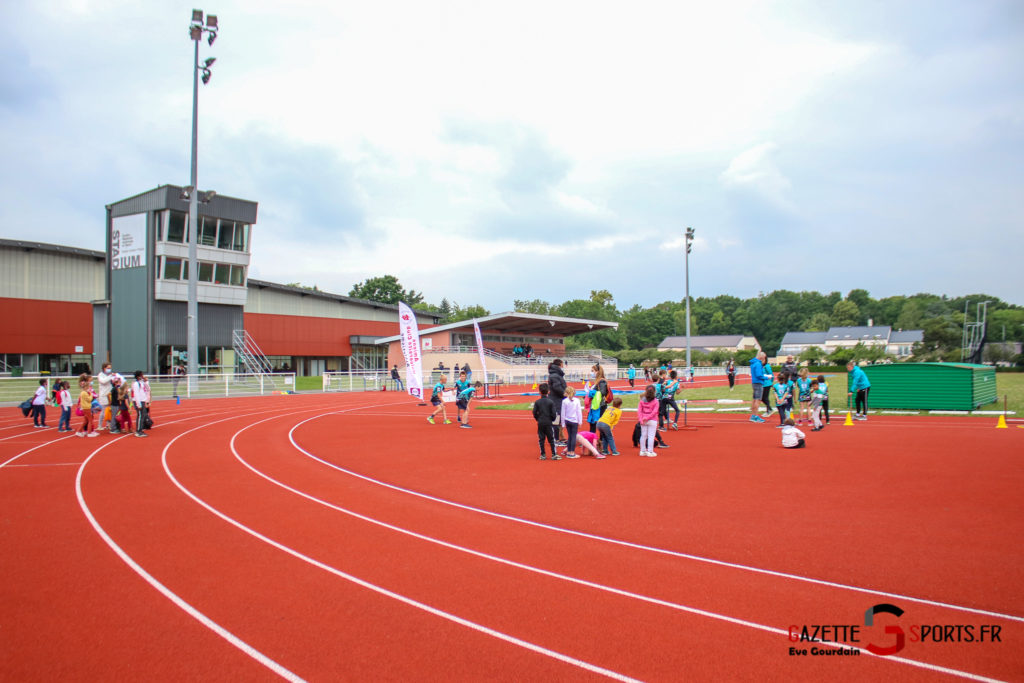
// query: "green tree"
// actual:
[[813, 355], [536, 306], [819, 322], [468, 313], [385, 289], [861, 298], [845, 313]]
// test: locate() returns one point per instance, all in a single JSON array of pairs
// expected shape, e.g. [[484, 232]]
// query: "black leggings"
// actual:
[[732, 380], [571, 428], [546, 433], [824, 410], [861, 401]]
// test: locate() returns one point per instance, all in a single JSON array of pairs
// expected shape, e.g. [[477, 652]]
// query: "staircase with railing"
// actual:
[[251, 356]]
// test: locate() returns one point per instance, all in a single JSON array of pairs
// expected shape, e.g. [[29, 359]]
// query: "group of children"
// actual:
[[811, 394], [114, 397], [464, 393], [602, 416]]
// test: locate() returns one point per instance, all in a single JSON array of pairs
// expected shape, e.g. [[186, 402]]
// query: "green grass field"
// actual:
[[1009, 384]]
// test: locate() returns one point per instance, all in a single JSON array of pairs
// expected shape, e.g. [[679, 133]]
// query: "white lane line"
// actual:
[[164, 590], [381, 590], [571, 579], [638, 546]]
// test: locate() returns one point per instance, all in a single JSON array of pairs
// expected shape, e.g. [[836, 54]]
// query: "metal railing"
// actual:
[[14, 390]]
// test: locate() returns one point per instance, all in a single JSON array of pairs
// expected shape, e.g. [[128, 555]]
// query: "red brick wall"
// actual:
[[37, 326]]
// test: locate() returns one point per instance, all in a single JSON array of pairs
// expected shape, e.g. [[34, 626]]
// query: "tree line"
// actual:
[[768, 317]]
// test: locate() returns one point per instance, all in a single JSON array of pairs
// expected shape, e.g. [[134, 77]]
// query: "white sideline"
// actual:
[[379, 589], [638, 546], [164, 590]]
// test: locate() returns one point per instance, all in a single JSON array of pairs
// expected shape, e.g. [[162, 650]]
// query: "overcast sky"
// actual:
[[486, 151]]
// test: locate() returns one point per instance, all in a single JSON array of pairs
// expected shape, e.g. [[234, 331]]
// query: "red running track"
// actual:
[[343, 537]]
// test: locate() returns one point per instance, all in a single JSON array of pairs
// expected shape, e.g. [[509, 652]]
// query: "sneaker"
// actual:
[[447, 422], [556, 457], [431, 419], [600, 457], [572, 456], [79, 433], [652, 455], [756, 418], [466, 426], [458, 419], [675, 426], [615, 453], [660, 445], [543, 456], [93, 434], [662, 429], [779, 426], [141, 434]]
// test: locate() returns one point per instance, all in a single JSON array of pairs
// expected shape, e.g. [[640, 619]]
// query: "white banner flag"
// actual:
[[480, 348], [411, 351]]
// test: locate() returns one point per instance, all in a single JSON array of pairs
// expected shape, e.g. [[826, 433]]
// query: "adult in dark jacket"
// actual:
[[556, 385]]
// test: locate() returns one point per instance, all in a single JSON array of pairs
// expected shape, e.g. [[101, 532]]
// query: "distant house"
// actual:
[[711, 342], [899, 343]]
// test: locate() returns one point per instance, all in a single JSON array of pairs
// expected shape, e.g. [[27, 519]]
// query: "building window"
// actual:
[[241, 237], [207, 231], [205, 272], [158, 225], [238, 276], [221, 274], [227, 235], [175, 227], [174, 268]]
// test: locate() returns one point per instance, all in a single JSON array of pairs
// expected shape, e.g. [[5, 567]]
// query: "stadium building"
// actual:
[[67, 310]]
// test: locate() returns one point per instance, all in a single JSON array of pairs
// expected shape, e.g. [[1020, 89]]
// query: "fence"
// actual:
[[14, 390]]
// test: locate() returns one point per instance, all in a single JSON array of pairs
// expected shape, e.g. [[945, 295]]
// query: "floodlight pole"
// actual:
[[689, 243], [193, 226], [196, 31]]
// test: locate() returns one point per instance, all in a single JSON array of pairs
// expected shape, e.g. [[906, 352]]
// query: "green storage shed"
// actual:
[[931, 386]]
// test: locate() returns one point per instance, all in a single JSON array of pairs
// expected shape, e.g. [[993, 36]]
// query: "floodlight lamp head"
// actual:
[[209, 61], [207, 197], [206, 76], [211, 38], [186, 192], [197, 16], [211, 21], [195, 32]]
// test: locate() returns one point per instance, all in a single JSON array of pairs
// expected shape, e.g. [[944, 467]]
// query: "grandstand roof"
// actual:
[[521, 323], [707, 341]]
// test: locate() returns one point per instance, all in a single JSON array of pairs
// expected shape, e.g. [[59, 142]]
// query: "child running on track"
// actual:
[[437, 401], [572, 415], [85, 397], [544, 412], [461, 384], [462, 402]]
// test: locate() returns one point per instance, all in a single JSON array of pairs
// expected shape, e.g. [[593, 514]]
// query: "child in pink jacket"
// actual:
[[647, 416]]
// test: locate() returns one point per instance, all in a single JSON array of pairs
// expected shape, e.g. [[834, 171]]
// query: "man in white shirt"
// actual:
[[104, 378], [141, 398]]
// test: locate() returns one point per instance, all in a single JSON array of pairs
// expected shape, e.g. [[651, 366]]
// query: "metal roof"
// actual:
[[303, 291], [707, 340], [804, 338], [906, 336], [55, 248], [521, 323], [169, 197], [864, 332]]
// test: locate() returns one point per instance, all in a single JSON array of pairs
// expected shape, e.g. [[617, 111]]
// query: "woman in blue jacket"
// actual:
[[857, 383]]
